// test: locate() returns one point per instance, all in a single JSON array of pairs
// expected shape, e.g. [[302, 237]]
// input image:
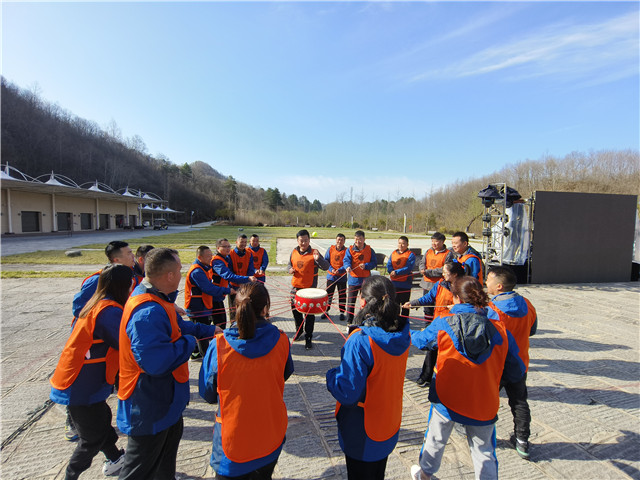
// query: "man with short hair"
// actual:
[[359, 260], [241, 264], [468, 256], [222, 275], [336, 275], [303, 265], [200, 295], [155, 345], [400, 268], [431, 265], [138, 267], [520, 319], [260, 258]]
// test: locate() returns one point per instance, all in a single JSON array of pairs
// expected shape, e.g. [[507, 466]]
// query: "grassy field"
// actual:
[[186, 244]]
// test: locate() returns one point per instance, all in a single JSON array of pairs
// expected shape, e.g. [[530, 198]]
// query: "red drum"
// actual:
[[311, 300]]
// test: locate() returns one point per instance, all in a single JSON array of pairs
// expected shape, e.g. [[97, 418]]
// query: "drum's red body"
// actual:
[[311, 300]]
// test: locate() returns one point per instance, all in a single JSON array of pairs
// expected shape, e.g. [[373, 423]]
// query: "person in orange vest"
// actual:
[[474, 353], [155, 346], [400, 268], [336, 275], [138, 267], [368, 383], [359, 260], [303, 265], [519, 318], [86, 371], [244, 373], [468, 256], [242, 265], [440, 296], [430, 267], [200, 295], [222, 275], [260, 258]]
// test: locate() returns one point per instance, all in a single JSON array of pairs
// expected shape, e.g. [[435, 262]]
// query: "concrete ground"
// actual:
[[583, 382]]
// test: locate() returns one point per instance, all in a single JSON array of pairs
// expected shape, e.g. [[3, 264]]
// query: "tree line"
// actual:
[[39, 137]]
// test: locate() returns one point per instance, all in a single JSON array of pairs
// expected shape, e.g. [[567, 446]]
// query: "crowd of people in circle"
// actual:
[[128, 336]]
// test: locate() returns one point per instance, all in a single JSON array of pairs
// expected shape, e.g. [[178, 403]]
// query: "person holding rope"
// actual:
[[520, 319], [430, 267], [138, 267], [441, 297], [221, 276], [368, 383], [336, 275], [243, 373], [86, 372], [468, 256], [359, 260], [303, 265], [155, 346], [474, 354], [400, 268], [242, 265], [200, 295], [260, 258]]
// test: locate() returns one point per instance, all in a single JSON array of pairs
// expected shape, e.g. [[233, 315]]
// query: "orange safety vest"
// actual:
[[253, 415], [336, 257], [458, 379], [305, 269], [399, 260], [383, 401], [215, 278], [444, 298], [360, 257], [433, 260], [73, 356], [191, 290], [520, 328], [480, 276], [129, 368], [257, 259], [240, 264]]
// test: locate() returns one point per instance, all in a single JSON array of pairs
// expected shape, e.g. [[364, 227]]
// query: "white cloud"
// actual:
[[561, 50]]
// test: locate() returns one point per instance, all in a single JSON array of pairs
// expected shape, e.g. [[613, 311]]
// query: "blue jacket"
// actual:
[[225, 272], [370, 265], [430, 297], [463, 341], [199, 279], [158, 400], [91, 386], [512, 304], [80, 299], [265, 339], [472, 266], [347, 383], [406, 270]]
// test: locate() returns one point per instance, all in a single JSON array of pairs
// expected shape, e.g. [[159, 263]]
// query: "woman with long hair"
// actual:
[[369, 381], [244, 371], [473, 353], [85, 374]]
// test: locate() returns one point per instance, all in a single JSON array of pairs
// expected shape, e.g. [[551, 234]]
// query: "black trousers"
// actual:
[[232, 308], [517, 393], [152, 457], [262, 473], [219, 314], [428, 365], [342, 295], [203, 344], [403, 296], [352, 294], [359, 470], [93, 424], [309, 323]]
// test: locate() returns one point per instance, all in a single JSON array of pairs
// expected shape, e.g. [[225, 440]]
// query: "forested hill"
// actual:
[[39, 137]]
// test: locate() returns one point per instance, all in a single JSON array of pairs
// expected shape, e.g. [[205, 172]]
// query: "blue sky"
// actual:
[[318, 98]]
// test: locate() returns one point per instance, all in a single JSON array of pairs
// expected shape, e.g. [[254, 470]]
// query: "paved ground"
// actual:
[[584, 391]]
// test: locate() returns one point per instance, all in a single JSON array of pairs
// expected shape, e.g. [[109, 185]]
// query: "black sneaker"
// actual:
[[522, 447], [307, 344], [422, 382], [196, 355], [342, 317], [297, 336]]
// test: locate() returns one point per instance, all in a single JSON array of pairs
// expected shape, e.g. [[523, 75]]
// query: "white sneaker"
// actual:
[[418, 474], [112, 468]]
